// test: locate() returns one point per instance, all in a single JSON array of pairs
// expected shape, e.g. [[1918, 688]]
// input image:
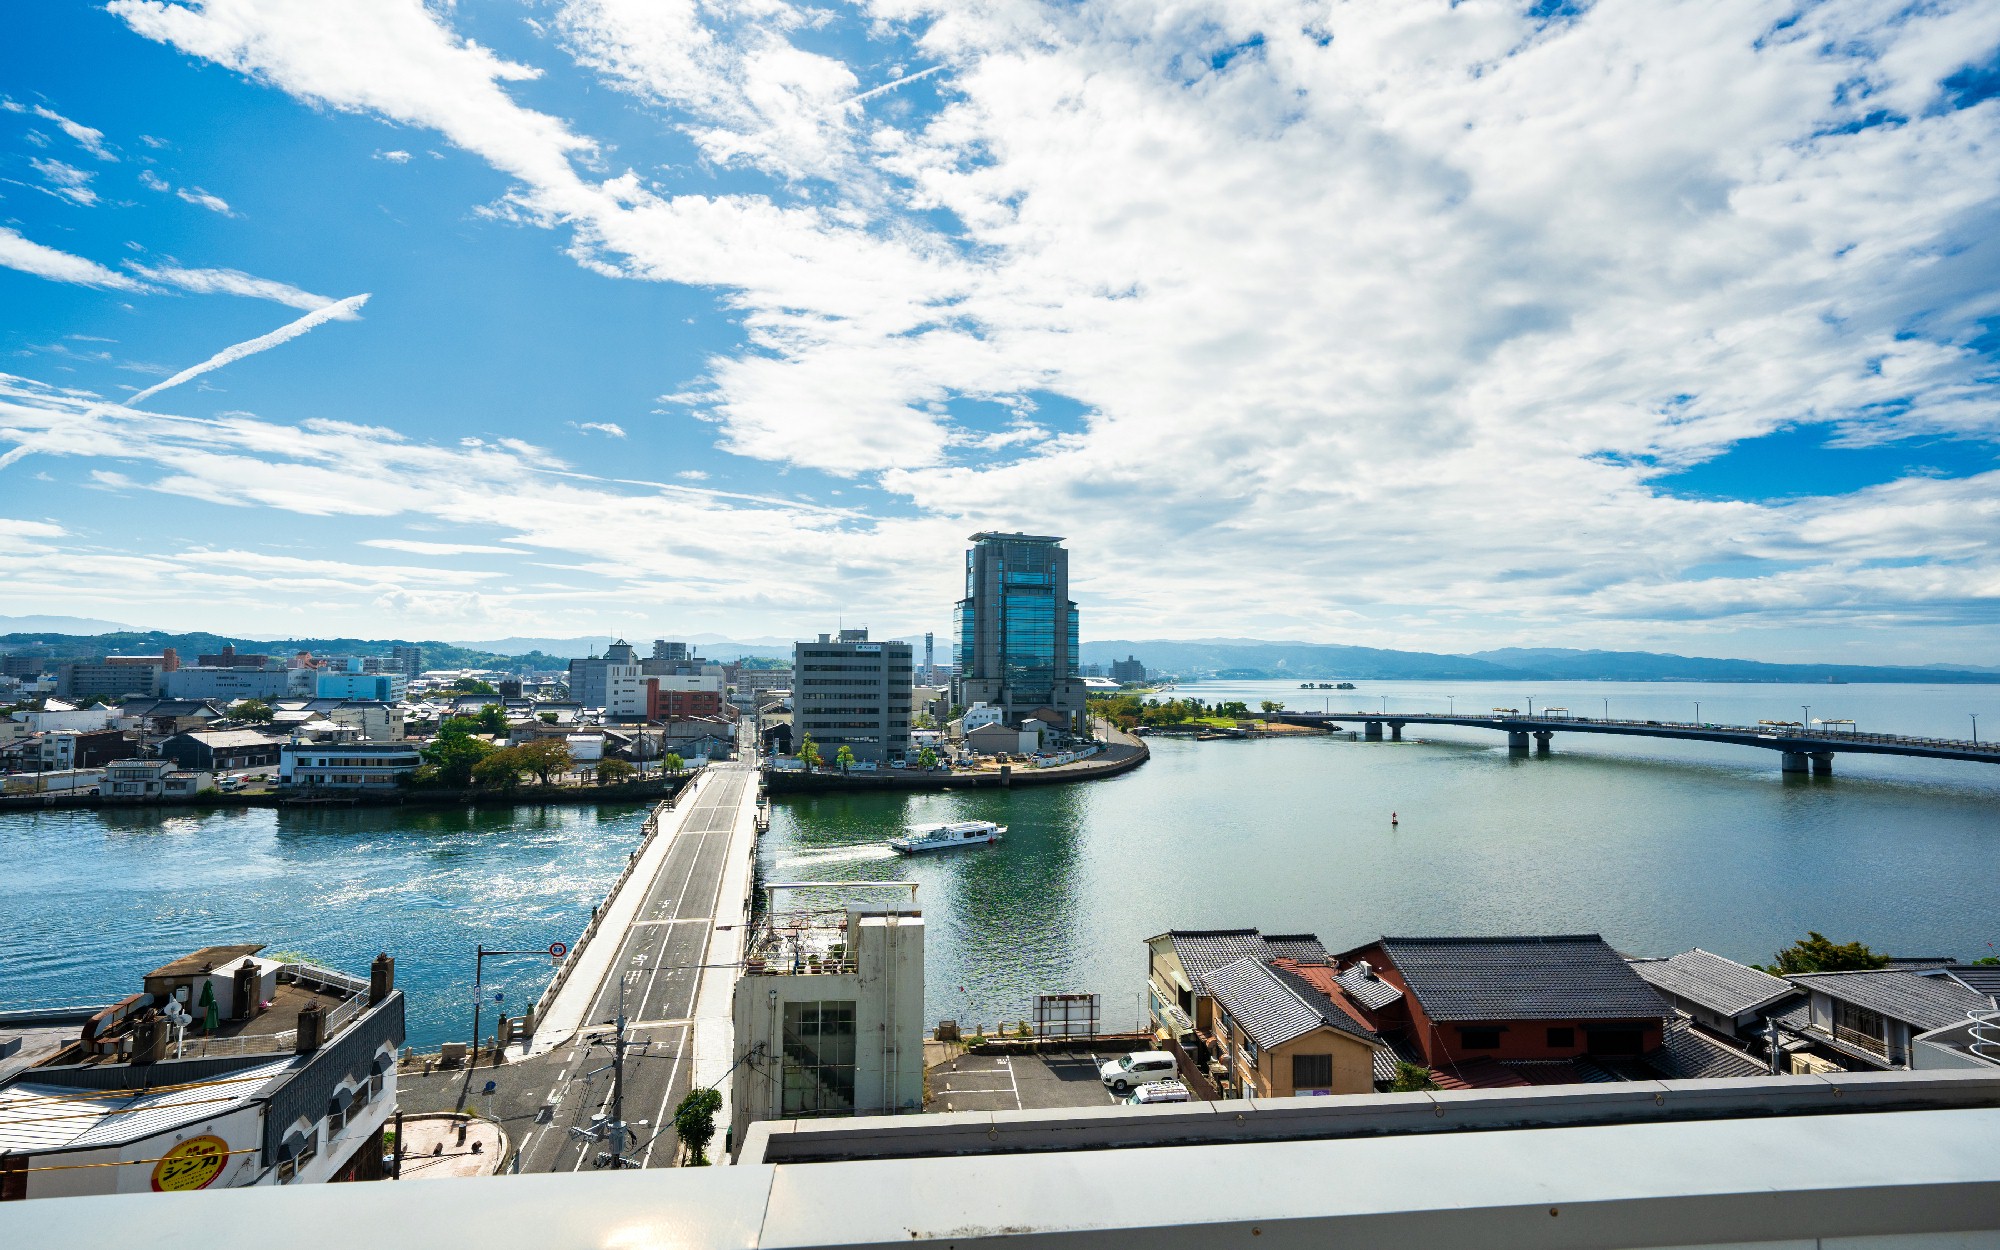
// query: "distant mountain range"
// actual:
[[1254, 659], [58, 625], [1238, 658]]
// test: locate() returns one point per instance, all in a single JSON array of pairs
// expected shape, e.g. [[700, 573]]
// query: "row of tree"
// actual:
[[1128, 711], [457, 758]]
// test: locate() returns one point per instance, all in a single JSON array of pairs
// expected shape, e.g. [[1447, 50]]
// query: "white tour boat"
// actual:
[[945, 837]]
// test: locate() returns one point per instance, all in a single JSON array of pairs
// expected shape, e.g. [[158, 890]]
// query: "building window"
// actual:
[[818, 1059], [1479, 1039], [1312, 1071], [1615, 1042], [1560, 1038]]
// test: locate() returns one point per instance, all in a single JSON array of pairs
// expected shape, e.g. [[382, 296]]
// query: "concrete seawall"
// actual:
[[1122, 756], [653, 788]]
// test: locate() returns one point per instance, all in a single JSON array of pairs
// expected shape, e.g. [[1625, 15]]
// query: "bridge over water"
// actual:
[[1801, 748]]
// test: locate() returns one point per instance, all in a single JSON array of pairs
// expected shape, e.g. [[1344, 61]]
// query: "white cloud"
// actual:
[[235, 282], [422, 548], [197, 196], [394, 158], [342, 309], [91, 141], [66, 181], [610, 429], [46, 262], [153, 182], [1397, 305]]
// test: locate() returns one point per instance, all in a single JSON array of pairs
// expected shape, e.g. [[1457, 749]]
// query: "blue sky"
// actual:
[[1402, 324]]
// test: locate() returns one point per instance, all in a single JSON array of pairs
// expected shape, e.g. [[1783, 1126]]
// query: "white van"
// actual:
[[1141, 1067]]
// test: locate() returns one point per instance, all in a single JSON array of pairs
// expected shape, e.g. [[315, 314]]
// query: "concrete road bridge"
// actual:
[[1801, 748]]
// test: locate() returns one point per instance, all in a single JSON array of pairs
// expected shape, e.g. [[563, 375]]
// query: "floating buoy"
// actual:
[[1393, 820]]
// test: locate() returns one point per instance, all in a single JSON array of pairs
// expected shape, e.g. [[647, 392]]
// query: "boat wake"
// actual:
[[843, 855]]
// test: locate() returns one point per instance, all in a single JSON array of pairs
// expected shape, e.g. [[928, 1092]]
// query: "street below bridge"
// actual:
[[554, 1104]]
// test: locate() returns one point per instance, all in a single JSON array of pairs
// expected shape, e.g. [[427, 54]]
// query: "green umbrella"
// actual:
[[210, 1017]]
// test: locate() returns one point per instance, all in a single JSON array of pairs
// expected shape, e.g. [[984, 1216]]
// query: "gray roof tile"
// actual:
[[1686, 1054], [1371, 992], [1552, 977], [1272, 1008], [1981, 979], [1721, 985], [1929, 1002], [1201, 951]]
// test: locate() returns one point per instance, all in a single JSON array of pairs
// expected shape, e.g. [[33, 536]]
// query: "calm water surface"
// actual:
[[91, 902], [1657, 845]]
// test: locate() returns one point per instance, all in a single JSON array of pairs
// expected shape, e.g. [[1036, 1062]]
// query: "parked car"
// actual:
[[1159, 1091], [1141, 1067]]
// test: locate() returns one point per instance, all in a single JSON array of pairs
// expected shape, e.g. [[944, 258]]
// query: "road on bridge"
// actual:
[[541, 1099]]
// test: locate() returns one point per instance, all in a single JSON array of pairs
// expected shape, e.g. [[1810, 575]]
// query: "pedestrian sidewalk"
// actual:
[[566, 1015], [715, 1000]]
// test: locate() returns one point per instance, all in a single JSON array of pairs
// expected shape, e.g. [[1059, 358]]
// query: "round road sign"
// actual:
[[557, 950]]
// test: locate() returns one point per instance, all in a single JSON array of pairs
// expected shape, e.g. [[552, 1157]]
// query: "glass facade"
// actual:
[[1015, 632], [819, 1058]]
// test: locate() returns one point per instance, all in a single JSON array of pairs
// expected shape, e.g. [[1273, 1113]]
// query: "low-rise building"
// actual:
[[68, 781], [169, 716], [66, 748], [1869, 1019], [373, 687], [221, 750], [1287, 1029], [1717, 993], [152, 779], [829, 1016], [363, 766], [848, 691], [682, 697], [226, 684], [225, 1070], [83, 680]]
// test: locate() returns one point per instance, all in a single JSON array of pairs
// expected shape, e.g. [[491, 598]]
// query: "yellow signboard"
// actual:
[[194, 1164]]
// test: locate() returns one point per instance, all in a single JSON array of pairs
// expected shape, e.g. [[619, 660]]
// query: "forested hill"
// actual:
[[188, 646]]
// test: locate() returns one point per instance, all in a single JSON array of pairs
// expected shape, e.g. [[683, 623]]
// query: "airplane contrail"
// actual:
[[872, 92], [229, 355]]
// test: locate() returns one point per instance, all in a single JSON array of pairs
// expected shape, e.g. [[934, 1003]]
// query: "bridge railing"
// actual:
[[1808, 736]]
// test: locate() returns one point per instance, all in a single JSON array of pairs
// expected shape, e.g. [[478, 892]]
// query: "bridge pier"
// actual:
[[1542, 737], [1396, 731], [1372, 731], [1822, 763], [1517, 741], [1794, 762]]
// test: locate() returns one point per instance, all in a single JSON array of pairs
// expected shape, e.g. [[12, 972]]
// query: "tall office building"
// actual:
[[407, 660], [1015, 644], [848, 691]]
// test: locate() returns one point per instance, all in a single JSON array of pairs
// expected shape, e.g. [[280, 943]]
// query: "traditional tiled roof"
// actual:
[[1554, 977], [1371, 992], [1927, 1002], [1201, 951], [1271, 1008], [1686, 1053], [1980, 979], [1322, 989], [1721, 985]]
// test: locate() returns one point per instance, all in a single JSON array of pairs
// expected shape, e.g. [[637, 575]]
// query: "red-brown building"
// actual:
[[666, 704], [1462, 1000]]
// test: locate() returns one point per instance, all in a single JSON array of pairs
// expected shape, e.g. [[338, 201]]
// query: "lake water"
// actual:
[[90, 902], [1657, 845]]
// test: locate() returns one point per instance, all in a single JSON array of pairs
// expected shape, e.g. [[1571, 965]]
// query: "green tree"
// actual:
[[501, 770], [673, 762], [809, 753], [252, 709], [547, 718], [927, 758], [1271, 705], [472, 685], [452, 756], [545, 757], [844, 757], [464, 726], [612, 771], [1410, 1078], [493, 720], [1817, 953], [694, 1122]]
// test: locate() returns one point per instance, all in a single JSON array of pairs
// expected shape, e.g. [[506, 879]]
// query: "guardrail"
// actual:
[[651, 829], [1708, 727]]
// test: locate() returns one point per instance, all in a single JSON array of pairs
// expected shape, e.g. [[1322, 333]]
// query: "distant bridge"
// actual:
[[1802, 748]]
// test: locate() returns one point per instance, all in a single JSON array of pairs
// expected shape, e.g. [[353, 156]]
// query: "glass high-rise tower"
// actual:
[[1014, 642]]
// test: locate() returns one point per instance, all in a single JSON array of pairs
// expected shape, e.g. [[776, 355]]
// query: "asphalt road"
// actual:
[[658, 971]]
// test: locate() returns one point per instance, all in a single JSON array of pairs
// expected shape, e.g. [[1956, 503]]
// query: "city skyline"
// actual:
[[1421, 327]]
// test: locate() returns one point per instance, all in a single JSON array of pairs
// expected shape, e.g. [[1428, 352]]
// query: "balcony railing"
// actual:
[[1866, 1041]]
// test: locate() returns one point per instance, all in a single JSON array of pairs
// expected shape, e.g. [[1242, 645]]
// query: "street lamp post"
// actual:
[[1975, 729], [1806, 727], [1607, 709], [1531, 705], [1697, 712], [1451, 707], [478, 981]]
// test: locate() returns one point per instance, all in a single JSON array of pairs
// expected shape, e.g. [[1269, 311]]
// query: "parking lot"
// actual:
[[1020, 1082]]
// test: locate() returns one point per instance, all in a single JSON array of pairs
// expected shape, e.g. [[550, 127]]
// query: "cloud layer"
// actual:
[[1395, 313]]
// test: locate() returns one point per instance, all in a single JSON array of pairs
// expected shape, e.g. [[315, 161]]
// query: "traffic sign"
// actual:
[[557, 950]]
